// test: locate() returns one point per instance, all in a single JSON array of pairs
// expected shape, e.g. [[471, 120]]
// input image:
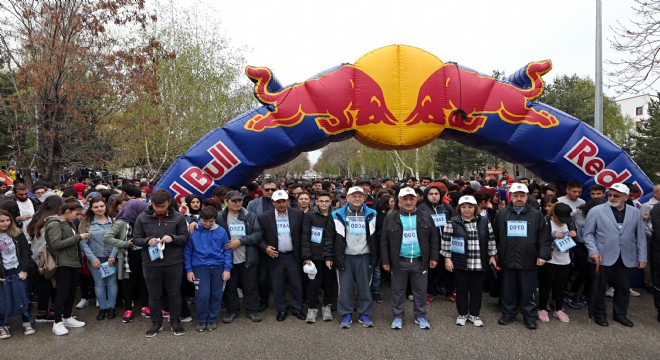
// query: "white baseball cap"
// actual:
[[355, 189], [620, 188], [407, 191], [280, 195], [467, 199], [518, 187], [310, 270]]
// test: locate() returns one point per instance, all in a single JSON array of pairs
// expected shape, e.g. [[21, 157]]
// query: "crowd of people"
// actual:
[[337, 240]]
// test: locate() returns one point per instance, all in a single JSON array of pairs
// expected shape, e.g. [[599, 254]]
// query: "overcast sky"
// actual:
[[298, 39]]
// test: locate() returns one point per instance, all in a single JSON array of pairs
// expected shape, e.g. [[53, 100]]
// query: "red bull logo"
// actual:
[[341, 100], [393, 108], [462, 100]]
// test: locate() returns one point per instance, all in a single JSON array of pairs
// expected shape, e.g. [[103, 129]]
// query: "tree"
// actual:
[[576, 96], [294, 168], [647, 150], [641, 39], [453, 158], [65, 64], [192, 86]]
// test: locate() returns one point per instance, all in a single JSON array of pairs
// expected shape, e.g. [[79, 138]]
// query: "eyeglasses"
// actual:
[[270, 189], [616, 196]]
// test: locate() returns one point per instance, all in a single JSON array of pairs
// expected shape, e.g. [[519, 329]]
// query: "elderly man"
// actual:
[[523, 238], [350, 247], [409, 246], [615, 238]]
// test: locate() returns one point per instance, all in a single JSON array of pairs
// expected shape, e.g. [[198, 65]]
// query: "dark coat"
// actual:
[[269, 228], [391, 238]]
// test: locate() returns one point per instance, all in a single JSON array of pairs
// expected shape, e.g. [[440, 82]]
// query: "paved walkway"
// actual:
[[294, 339]]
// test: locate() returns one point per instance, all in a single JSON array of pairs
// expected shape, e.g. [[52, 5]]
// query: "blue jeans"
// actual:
[[105, 289], [208, 294]]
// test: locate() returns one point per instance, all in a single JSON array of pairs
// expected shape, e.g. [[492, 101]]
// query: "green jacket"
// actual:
[[116, 237], [62, 242]]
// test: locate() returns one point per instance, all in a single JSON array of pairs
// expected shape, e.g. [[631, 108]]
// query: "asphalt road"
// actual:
[[294, 339]]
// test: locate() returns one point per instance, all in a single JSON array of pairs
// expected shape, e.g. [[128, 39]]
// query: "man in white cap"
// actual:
[[524, 243], [615, 238], [409, 246], [350, 247], [282, 232]]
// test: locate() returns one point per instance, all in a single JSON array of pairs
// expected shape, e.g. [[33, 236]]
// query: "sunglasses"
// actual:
[[270, 189]]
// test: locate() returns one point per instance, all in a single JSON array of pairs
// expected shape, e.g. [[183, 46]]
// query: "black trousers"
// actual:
[[168, 277], [553, 278], [581, 266], [325, 279], [469, 287], [67, 282], [621, 276], [135, 284], [654, 263], [46, 294], [246, 277], [518, 287], [281, 268], [263, 278]]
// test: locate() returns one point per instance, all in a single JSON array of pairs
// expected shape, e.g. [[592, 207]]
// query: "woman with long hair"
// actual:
[[36, 233], [14, 261], [100, 257], [129, 266], [62, 241]]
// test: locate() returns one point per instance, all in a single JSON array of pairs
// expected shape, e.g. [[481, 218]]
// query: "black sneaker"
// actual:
[[229, 318], [112, 313], [255, 317], [177, 328], [200, 327], [153, 330], [211, 326], [102, 314]]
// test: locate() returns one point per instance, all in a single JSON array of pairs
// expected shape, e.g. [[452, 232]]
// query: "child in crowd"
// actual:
[[208, 265]]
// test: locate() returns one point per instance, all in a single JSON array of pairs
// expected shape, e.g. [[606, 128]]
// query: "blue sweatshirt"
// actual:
[[206, 248]]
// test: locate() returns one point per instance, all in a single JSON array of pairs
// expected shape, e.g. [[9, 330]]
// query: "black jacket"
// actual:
[[148, 225], [253, 233], [392, 233], [313, 218], [334, 236], [522, 252], [460, 261], [23, 253], [269, 227]]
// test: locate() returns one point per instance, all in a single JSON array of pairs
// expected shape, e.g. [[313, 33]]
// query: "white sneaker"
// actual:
[[71, 322], [82, 304], [475, 320], [97, 303], [634, 293], [461, 319], [410, 297], [326, 311], [609, 292], [59, 329]]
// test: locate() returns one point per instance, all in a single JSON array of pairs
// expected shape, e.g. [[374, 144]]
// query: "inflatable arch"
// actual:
[[401, 97]]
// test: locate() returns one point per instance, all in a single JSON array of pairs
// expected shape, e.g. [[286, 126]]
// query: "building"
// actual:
[[636, 107]]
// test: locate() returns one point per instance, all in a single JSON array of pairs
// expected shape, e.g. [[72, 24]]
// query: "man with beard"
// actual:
[[615, 238]]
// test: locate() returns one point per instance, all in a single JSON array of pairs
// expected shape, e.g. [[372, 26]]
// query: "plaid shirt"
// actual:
[[129, 236], [472, 251]]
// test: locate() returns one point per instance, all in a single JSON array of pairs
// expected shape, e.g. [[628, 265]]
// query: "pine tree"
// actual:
[[647, 150]]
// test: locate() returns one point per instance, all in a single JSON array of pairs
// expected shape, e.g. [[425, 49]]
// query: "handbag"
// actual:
[[47, 264]]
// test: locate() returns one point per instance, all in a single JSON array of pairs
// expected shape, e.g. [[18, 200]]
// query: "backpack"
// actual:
[[46, 264]]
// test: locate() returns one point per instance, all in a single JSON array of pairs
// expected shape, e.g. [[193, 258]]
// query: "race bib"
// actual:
[[458, 245], [317, 234], [156, 251], [439, 219], [564, 244], [356, 227], [107, 270], [283, 227], [516, 228], [409, 237], [237, 229]]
